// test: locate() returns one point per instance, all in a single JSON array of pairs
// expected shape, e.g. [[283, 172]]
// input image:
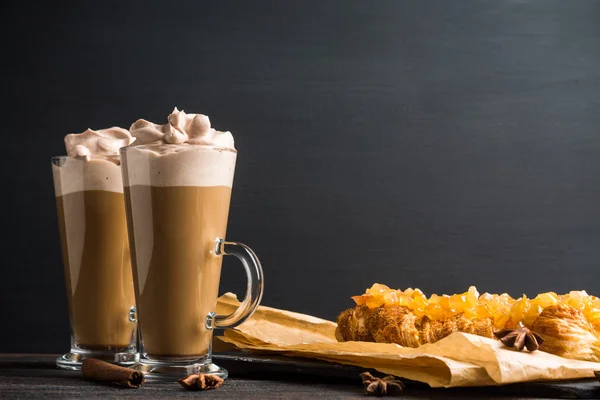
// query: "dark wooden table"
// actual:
[[35, 376]]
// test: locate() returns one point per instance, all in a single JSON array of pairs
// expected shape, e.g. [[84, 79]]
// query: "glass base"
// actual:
[[173, 371], [72, 360]]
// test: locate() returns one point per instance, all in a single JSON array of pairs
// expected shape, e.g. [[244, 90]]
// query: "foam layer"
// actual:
[[93, 161], [102, 142], [87, 173], [181, 128], [178, 165]]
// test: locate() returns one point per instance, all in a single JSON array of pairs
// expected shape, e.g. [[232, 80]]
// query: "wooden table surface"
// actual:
[[35, 376]]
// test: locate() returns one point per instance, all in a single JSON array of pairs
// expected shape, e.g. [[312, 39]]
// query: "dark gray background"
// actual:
[[433, 144]]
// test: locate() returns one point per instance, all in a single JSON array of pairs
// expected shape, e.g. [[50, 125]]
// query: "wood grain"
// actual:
[[23, 376]]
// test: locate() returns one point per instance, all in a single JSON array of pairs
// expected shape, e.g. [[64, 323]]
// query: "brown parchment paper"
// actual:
[[457, 360]]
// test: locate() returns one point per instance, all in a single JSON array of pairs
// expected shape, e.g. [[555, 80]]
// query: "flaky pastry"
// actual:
[[568, 323]]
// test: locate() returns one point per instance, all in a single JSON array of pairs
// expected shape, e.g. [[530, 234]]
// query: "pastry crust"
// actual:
[[398, 324], [565, 330], [567, 333]]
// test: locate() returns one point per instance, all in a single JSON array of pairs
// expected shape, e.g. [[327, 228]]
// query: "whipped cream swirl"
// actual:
[[181, 128], [104, 142]]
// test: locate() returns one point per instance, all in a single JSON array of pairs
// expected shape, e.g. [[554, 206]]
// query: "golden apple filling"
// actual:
[[505, 311]]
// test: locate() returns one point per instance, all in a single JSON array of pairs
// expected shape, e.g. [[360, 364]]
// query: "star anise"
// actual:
[[520, 338], [374, 386], [201, 382]]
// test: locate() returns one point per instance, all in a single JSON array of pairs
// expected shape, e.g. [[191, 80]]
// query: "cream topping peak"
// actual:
[[104, 142], [181, 128]]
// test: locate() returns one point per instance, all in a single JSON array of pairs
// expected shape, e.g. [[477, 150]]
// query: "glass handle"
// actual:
[[132, 314], [254, 288]]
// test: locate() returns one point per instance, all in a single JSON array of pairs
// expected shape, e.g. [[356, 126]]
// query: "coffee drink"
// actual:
[[178, 180], [95, 247], [177, 272], [97, 267], [177, 198]]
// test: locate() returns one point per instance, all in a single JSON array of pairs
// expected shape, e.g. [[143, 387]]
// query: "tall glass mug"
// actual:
[[177, 199], [95, 250]]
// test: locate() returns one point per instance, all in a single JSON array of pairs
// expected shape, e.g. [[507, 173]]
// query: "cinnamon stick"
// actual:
[[201, 382], [98, 370]]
